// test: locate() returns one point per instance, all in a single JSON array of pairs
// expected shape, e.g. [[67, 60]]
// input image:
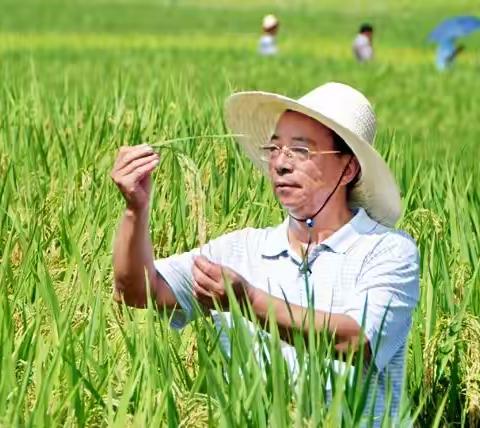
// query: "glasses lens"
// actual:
[[268, 152], [300, 153]]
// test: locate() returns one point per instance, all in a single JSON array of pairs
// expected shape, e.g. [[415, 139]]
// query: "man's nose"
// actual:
[[283, 164]]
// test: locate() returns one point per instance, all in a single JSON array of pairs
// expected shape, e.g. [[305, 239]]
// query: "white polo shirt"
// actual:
[[267, 45], [361, 260], [362, 48]]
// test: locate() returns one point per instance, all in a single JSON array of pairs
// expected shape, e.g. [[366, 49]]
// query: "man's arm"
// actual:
[[133, 252], [209, 284], [290, 318], [382, 302], [133, 263]]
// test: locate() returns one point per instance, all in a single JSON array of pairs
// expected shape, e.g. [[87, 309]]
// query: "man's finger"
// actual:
[[199, 291], [129, 154], [132, 179], [137, 163], [212, 270], [125, 150], [205, 297], [205, 281], [134, 153]]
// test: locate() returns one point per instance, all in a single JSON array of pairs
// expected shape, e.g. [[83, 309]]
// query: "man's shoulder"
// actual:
[[238, 246], [250, 237], [396, 242]]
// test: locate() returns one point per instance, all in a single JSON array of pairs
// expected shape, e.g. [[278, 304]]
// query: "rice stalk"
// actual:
[[454, 339], [164, 143], [195, 195], [423, 222]]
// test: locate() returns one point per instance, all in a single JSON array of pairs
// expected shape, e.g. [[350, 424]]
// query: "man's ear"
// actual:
[[352, 171]]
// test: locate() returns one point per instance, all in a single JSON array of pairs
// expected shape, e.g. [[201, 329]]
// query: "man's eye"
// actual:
[[299, 150], [269, 148]]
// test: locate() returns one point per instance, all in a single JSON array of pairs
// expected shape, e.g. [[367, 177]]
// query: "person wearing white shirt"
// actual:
[[267, 44], [336, 252], [362, 45]]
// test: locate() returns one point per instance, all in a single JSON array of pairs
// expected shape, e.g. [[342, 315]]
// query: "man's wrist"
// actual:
[[251, 294], [136, 213]]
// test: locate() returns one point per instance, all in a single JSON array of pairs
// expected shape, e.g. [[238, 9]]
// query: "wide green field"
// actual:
[[78, 79]]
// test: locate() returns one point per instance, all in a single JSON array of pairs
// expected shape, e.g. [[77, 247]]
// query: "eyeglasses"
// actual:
[[270, 152]]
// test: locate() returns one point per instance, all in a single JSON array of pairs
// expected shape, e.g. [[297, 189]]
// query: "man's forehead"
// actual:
[[293, 120]]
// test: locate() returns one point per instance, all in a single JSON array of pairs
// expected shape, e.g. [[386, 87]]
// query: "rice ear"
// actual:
[[195, 195], [455, 341]]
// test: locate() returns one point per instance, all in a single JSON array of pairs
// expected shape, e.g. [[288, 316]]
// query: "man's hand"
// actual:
[[131, 173], [210, 282]]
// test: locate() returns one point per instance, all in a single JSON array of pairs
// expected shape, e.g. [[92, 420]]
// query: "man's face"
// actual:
[[302, 185]]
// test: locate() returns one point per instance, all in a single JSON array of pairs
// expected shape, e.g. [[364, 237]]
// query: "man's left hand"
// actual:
[[210, 282]]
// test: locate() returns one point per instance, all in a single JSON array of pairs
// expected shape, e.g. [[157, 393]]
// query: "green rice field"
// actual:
[[80, 79]]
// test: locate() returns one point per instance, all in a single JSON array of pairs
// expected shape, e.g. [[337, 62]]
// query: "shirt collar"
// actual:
[[276, 241], [340, 241], [343, 239]]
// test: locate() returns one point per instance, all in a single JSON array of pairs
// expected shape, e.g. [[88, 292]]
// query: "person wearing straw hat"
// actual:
[[267, 45], [342, 203]]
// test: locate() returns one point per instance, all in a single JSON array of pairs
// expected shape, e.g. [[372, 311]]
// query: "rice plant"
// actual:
[[115, 73]]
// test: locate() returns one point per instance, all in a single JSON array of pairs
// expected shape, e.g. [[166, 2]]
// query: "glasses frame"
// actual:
[[290, 154]]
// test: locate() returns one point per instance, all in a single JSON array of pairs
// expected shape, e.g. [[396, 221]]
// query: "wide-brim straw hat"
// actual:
[[269, 22], [343, 109]]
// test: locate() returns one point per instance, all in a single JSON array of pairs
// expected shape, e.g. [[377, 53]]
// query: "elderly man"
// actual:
[[341, 201]]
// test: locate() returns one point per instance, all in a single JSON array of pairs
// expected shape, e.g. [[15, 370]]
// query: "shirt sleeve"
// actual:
[[386, 294], [176, 270]]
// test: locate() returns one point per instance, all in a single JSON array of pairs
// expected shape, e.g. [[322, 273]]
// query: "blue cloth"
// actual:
[[364, 268], [453, 28], [445, 53]]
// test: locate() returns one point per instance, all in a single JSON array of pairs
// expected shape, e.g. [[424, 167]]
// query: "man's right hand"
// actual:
[[132, 175]]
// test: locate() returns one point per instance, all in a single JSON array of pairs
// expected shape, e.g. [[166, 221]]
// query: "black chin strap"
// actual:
[[309, 221]]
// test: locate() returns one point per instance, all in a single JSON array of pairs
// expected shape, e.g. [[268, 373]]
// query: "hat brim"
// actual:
[[254, 115]]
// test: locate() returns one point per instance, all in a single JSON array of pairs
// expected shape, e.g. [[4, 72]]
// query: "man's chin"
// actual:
[[296, 208], [289, 195], [287, 202], [292, 207]]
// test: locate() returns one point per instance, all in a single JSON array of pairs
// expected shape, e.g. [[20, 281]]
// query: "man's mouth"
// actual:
[[286, 185]]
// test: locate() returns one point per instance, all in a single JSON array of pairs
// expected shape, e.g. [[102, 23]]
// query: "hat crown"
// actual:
[[346, 106], [269, 21]]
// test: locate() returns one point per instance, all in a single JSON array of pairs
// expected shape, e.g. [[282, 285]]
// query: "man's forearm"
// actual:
[[132, 257], [291, 318]]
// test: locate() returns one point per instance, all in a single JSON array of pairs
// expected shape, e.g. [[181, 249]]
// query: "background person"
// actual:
[[267, 45], [447, 52], [362, 44]]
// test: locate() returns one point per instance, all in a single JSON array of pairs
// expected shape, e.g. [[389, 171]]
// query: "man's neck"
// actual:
[[324, 225]]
